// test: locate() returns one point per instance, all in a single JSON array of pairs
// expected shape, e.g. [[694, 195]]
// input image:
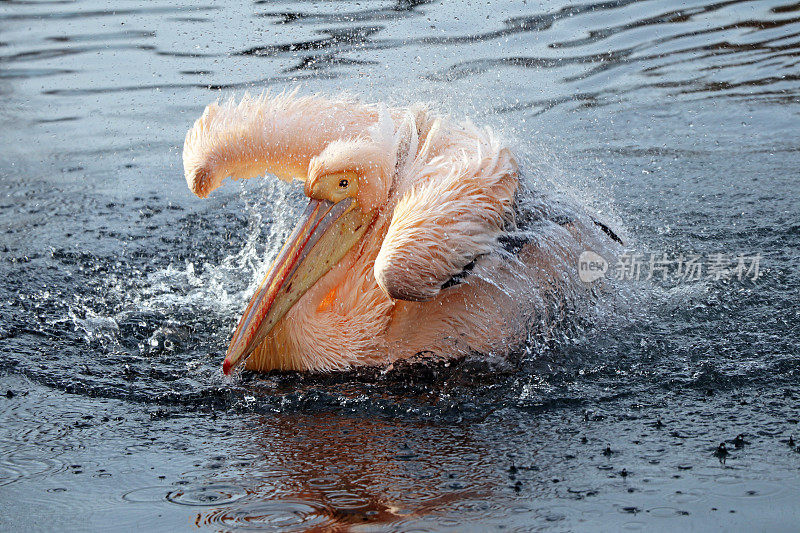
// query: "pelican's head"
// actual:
[[346, 185], [342, 151]]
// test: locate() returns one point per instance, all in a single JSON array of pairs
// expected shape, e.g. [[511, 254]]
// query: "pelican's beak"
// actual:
[[322, 237]]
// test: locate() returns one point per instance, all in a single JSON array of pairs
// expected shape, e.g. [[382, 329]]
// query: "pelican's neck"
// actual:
[[339, 322]]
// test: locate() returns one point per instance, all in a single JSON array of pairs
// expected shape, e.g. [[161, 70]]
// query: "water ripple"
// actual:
[[207, 495], [283, 515]]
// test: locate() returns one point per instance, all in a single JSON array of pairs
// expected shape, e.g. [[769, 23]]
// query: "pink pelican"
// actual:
[[410, 242]]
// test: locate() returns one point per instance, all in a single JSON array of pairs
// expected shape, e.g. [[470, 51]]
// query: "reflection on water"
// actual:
[[326, 471], [118, 290]]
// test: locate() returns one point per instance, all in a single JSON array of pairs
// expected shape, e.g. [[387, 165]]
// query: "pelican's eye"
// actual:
[[334, 187]]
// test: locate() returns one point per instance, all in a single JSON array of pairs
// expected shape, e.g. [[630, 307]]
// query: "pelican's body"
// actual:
[[402, 200]]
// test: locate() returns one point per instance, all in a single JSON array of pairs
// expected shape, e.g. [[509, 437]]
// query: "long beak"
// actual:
[[324, 234]]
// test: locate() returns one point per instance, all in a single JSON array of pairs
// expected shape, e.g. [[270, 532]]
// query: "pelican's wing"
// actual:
[[455, 213], [276, 133]]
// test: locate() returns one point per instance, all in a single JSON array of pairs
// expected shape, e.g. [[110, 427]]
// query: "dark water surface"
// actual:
[[119, 290]]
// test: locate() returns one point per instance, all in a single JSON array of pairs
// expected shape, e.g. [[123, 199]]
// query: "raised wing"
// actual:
[[455, 209]]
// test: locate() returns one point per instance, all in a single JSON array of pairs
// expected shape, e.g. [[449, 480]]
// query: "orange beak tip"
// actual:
[[227, 367]]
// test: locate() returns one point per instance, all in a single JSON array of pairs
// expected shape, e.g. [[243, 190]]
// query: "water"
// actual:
[[119, 289]]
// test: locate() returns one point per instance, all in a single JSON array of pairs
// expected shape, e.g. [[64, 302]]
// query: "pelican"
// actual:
[[418, 237]]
